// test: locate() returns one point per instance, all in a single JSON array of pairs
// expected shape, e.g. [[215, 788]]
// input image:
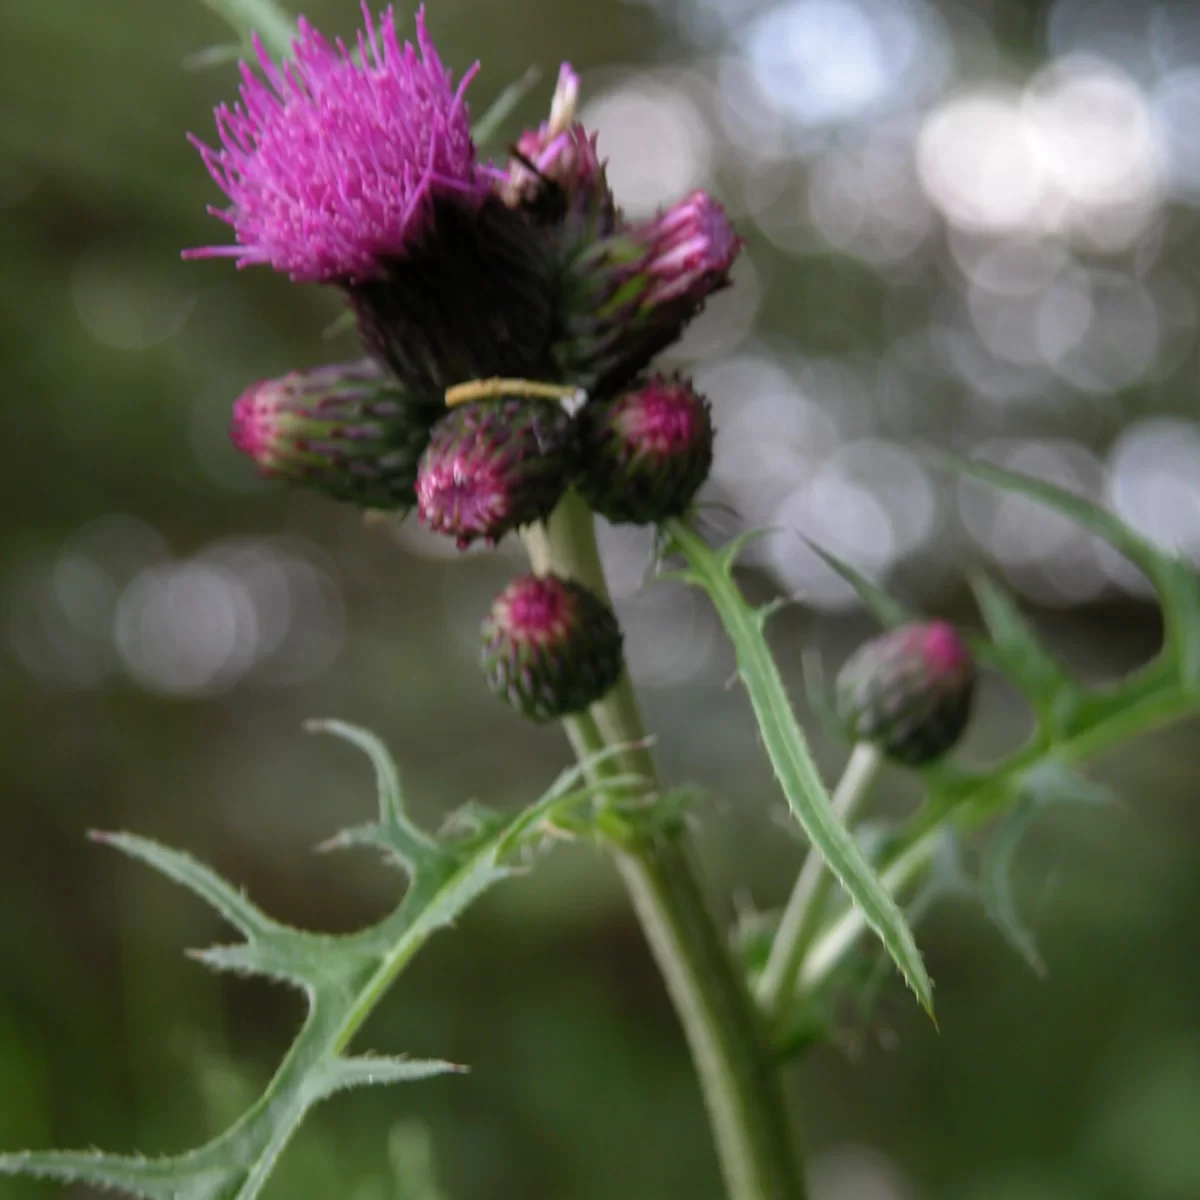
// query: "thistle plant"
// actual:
[[511, 318]]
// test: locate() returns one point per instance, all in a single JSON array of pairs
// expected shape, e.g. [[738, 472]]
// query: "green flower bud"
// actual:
[[909, 692], [646, 452], [348, 429], [550, 647]]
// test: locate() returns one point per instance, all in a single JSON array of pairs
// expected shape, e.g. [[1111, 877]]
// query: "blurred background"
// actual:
[[973, 223]]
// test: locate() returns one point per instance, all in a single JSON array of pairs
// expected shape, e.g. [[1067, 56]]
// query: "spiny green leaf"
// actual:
[[794, 767], [250, 959], [1019, 653], [344, 979], [109, 1172], [771, 608], [817, 694], [490, 124], [1052, 783], [396, 830], [1049, 784], [947, 878], [996, 884], [369, 1070], [196, 877], [728, 555], [887, 610], [1175, 581], [844, 931]]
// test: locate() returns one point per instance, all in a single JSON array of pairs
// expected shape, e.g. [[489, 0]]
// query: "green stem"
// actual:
[[805, 908], [969, 808], [742, 1090]]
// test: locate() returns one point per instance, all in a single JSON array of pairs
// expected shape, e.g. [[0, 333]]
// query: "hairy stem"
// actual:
[[742, 1089], [805, 908]]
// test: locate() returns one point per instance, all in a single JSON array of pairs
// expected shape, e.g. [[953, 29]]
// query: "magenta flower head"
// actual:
[[630, 295], [363, 174], [332, 167], [345, 429], [556, 175], [646, 452], [550, 647], [909, 692], [493, 466]]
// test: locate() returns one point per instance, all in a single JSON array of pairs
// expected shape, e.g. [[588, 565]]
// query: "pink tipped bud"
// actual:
[[556, 176], [646, 452], [550, 647], [909, 691], [493, 466], [346, 429], [630, 295], [693, 247]]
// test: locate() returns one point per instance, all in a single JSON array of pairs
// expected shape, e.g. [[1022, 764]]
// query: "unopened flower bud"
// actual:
[[550, 647], [630, 295], [347, 429], [646, 452], [909, 692], [494, 465], [556, 176]]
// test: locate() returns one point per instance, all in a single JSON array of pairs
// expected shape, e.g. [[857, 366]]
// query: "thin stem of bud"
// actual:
[[802, 916]]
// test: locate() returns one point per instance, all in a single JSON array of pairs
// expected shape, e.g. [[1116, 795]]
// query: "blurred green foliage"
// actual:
[[119, 365]]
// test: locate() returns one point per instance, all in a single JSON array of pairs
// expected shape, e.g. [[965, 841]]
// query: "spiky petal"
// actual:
[[346, 429], [645, 453], [909, 692], [629, 296], [333, 167], [550, 647], [493, 466]]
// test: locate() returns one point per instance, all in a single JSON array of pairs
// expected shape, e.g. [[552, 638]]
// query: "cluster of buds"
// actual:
[[355, 168], [908, 692]]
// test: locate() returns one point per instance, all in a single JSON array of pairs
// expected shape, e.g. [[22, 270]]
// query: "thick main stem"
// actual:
[[741, 1086]]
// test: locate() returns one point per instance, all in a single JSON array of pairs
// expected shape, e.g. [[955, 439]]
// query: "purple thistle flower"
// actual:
[[333, 167]]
